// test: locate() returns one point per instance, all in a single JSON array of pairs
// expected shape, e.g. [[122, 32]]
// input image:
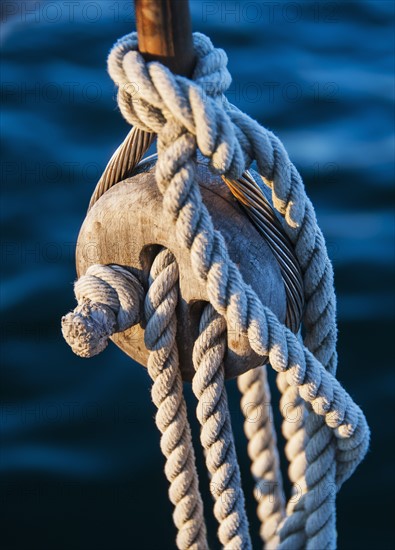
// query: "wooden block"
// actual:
[[127, 225]]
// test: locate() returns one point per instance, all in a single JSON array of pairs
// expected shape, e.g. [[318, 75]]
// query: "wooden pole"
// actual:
[[165, 33]]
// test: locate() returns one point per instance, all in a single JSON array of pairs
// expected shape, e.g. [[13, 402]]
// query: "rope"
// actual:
[[216, 435], [260, 211], [329, 436], [187, 116], [123, 162], [262, 450], [109, 299], [293, 428], [167, 394]]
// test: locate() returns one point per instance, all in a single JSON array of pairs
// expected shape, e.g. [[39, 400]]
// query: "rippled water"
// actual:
[[80, 461]]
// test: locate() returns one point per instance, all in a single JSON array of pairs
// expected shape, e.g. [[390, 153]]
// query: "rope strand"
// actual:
[[262, 450], [216, 435], [186, 116], [329, 436], [167, 394]]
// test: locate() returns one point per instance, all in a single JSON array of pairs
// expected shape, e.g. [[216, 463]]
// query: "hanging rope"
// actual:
[[216, 434], [167, 394], [329, 436], [294, 412], [262, 450]]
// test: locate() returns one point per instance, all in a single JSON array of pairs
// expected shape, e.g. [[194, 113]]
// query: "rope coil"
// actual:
[[330, 437]]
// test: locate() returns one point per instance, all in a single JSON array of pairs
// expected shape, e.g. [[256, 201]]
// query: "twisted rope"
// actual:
[[294, 412], [262, 450], [257, 207], [109, 298], [311, 449], [329, 436], [186, 117], [216, 435], [167, 394], [231, 141]]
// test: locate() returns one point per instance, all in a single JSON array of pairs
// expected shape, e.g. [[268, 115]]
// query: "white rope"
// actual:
[[167, 394], [109, 299], [186, 116], [294, 412], [329, 436], [216, 435], [262, 450]]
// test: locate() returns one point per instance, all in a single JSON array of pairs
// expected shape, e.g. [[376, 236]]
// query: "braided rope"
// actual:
[[167, 394], [262, 450], [216, 435], [185, 117]]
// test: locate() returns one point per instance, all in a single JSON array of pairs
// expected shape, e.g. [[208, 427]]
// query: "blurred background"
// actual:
[[80, 461]]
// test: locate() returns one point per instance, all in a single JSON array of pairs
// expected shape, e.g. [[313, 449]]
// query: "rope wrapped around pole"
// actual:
[[329, 436], [262, 450], [187, 115]]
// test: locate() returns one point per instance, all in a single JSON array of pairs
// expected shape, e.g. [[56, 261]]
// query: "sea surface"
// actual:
[[80, 461]]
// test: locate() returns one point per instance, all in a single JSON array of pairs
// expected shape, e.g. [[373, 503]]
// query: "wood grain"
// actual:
[[126, 226], [165, 33]]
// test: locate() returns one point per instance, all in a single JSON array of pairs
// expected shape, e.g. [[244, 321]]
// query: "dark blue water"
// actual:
[[80, 460]]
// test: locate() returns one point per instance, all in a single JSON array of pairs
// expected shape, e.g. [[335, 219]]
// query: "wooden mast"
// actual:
[[165, 33]]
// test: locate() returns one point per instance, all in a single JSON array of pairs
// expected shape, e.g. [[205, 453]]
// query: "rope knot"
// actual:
[[109, 299], [150, 97], [327, 434]]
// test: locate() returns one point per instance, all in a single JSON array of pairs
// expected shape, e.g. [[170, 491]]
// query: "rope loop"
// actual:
[[187, 114], [329, 435]]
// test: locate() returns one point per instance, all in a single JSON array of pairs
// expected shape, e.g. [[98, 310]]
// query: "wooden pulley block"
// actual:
[[128, 225]]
